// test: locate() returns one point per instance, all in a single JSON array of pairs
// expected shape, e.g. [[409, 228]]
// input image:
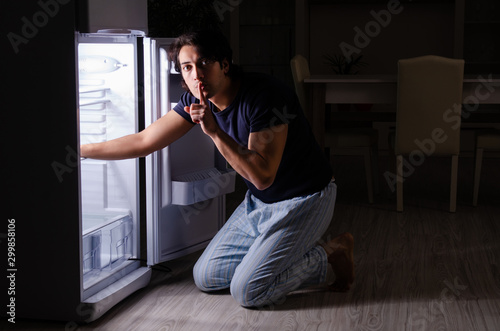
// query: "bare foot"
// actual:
[[340, 252]]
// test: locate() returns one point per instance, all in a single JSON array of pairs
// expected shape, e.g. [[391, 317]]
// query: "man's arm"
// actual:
[[158, 135], [259, 162]]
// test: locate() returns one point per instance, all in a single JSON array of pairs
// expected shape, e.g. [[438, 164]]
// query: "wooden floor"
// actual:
[[423, 269]]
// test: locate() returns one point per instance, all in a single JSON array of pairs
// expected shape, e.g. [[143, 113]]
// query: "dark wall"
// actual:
[[40, 178]]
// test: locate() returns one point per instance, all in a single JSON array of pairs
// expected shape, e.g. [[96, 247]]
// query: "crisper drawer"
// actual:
[[202, 185], [106, 242]]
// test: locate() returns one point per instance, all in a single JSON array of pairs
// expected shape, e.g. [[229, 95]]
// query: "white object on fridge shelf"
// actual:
[[98, 64]]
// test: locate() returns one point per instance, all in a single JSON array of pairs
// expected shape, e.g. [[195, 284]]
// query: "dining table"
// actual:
[[382, 89]]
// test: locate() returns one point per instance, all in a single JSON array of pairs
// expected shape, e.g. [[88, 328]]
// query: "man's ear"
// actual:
[[225, 66]]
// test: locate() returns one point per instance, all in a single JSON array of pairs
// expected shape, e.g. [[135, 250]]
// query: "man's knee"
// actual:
[[249, 297], [239, 291], [207, 279], [248, 292]]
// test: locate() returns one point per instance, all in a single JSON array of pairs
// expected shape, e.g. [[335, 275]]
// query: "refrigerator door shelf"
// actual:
[[202, 185]]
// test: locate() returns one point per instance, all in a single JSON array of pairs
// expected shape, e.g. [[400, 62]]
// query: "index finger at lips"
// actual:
[[203, 101]]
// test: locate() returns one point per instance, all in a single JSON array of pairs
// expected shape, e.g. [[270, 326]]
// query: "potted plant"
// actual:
[[342, 65]]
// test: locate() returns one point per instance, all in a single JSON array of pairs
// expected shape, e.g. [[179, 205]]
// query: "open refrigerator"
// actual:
[[126, 81], [83, 234]]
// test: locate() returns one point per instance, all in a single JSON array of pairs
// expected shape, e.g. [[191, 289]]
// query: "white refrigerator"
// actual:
[[185, 183], [83, 234]]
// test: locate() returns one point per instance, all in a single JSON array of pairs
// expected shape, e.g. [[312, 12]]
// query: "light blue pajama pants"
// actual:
[[265, 251]]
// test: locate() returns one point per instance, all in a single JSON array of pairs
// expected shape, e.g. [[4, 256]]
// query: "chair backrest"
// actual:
[[300, 71], [429, 102]]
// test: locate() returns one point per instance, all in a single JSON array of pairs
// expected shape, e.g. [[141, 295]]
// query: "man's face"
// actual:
[[197, 70]]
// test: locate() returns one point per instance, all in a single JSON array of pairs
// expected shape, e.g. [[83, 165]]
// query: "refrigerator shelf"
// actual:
[[93, 93], [92, 118], [101, 104], [202, 185], [91, 129]]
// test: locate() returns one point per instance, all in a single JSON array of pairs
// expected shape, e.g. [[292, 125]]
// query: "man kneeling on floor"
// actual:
[[269, 246]]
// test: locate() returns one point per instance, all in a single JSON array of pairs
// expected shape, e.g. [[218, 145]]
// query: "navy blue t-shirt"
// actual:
[[265, 102]]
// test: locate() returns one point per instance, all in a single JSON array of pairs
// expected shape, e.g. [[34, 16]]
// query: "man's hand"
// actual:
[[201, 114]]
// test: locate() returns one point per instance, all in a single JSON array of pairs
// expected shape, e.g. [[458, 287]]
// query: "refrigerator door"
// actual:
[[186, 181], [110, 190]]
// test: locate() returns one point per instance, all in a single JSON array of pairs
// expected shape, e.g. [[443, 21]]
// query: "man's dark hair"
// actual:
[[210, 45]]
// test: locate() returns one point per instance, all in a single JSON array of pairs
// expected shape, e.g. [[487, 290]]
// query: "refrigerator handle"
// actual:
[[163, 87], [166, 180]]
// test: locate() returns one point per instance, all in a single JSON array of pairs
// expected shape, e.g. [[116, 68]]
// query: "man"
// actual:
[[269, 246]]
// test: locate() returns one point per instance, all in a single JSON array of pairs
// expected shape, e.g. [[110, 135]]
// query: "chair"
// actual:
[[429, 87], [357, 141], [485, 140]]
